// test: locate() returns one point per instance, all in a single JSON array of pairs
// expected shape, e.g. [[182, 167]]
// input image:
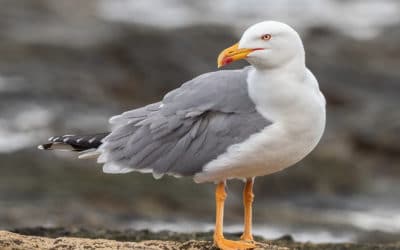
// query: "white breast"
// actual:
[[297, 110]]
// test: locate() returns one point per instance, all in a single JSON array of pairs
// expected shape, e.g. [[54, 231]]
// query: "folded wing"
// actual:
[[190, 127]]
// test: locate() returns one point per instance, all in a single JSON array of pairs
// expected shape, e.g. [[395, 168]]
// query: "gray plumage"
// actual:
[[189, 128]]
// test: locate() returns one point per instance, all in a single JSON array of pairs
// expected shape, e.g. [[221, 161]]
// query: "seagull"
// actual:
[[222, 125]]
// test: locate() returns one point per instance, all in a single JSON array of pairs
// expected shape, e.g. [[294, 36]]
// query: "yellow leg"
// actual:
[[248, 198], [219, 240], [220, 197]]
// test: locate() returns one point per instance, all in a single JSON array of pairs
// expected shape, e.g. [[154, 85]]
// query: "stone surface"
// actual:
[[15, 241], [199, 241]]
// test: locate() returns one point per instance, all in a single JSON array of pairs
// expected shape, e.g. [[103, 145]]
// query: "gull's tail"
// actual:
[[86, 145]]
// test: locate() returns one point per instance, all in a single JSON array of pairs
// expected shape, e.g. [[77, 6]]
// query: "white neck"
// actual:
[[288, 94], [294, 68]]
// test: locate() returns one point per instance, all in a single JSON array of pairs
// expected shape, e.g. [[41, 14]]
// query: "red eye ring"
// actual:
[[266, 37]]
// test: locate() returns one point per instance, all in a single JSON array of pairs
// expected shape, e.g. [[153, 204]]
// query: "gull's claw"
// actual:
[[225, 244], [247, 238]]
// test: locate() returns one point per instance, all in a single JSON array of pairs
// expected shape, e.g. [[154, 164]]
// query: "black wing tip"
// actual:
[[45, 146], [74, 142]]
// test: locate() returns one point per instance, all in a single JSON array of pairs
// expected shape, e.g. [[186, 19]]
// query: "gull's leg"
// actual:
[[248, 198], [220, 197], [219, 240]]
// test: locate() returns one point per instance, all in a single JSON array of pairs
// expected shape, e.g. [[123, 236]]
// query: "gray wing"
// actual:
[[190, 127]]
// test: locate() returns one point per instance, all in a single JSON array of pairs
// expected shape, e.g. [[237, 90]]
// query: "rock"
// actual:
[[15, 241]]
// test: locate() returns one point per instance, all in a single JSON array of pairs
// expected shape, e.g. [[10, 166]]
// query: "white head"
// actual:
[[268, 44]]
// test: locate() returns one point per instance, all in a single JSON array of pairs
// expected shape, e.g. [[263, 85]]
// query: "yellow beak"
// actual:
[[232, 54]]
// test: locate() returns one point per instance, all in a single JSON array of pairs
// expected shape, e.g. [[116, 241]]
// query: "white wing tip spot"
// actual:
[[157, 175], [114, 119]]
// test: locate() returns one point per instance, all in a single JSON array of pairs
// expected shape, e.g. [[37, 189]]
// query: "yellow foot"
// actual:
[[225, 244], [247, 238]]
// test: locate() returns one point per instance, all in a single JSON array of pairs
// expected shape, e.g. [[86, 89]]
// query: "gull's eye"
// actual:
[[266, 37]]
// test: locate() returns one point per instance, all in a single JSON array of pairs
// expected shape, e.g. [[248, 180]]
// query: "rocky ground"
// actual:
[[15, 241], [41, 238]]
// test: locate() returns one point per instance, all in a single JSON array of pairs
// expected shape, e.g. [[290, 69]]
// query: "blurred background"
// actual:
[[67, 66]]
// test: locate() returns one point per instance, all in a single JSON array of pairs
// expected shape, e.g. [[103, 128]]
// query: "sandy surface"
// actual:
[[15, 241], [166, 240]]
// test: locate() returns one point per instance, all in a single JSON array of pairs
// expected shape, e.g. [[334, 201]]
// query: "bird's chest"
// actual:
[[298, 115], [274, 97]]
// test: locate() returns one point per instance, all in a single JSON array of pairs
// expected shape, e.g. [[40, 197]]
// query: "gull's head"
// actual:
[[265, 45]]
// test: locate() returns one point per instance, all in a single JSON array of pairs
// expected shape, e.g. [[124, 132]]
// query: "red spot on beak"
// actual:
[[227, 60]]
